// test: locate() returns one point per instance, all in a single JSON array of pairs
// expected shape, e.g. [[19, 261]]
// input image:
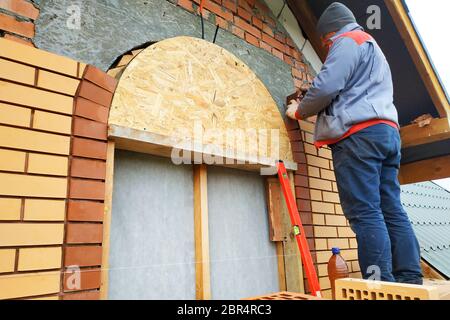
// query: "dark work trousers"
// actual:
[[366, 165]]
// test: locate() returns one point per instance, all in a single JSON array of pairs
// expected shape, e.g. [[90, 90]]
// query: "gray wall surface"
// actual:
[[110, 28], [243, 260], [152, 250]]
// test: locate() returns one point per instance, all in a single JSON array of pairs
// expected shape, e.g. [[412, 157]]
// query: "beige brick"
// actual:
[[46, 60], [29, 284], [331, 165], [335, 220], [322, 270], [48, 164], [324, 283], [32, 97], [44, 210], [321, 244], [32, 186], [23, 234], [313, 172], [16, 72], [338, 209], [323, 256], [355, 266], [325, 232], [315, 183], [345, 232], [306, 126], [308, 137], [315, 194], [7, 260], [326, 294], [310, 149], [341, 243], [34, 141], [349, 266], [318, 219], [39, 258], [56, 297], [358, 289], [327, 174], [12, 160], [325, 153], [10, 208], [322, 207], [58, 83], [350, 254], [52, 122], [353, 243], [331, 197], [13, 115], [334, 187], [318, 162]]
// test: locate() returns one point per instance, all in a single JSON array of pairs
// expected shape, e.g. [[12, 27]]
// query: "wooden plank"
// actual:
[[107, 220], [308, 21], [274, 198], [202, 267], [419, 56], [189, 89], [425, 170], [281, 266], [412, 135], [429, 272]]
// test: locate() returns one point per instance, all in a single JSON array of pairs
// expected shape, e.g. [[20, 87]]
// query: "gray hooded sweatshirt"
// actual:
[[355, 82]]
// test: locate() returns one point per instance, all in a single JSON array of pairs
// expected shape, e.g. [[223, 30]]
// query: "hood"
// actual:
[[334, 18]]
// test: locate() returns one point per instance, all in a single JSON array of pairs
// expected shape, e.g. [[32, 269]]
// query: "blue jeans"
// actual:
[[366, 165]]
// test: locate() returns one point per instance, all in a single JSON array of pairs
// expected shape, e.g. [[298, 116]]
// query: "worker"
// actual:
[[352, 97]]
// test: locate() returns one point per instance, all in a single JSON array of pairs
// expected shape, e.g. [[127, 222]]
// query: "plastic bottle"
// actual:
[[337, 269]]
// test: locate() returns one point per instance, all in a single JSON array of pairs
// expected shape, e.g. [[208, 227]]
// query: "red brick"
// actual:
[[84, 233], [270, 21], [302, 193], [306, 217], [91, 110], [273, 42], [280, 37], [95, 93], [298, 83], [304, 205], [290, 42], [297, 147], [230, 5], [10, 24], [291, 124], [244, 14], [187, 4], [294, 135], [83, 256], [18, 39], [302, 169], [296, 73], [20, 7], [89, 148], [222, 23], [90, 279], [87, 189], [296, 54], [85, 295], [288, 60], [278, 54], [267, 29], [244, 4], [88, 168], [85, 211], [265, 46], [237, 31], [309, 233], [301, 181], [90, 129], [299, 157], [97, 76], [218, 10], [251, 39], [257, 22], [247, 27]]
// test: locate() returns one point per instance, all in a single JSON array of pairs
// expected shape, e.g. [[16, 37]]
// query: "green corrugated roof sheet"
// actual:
[[428, 206]]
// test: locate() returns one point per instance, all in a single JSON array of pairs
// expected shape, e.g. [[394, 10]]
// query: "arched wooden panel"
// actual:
[[183, 84]]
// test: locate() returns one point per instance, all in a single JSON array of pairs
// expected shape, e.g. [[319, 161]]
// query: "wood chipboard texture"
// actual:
[[180, 81]]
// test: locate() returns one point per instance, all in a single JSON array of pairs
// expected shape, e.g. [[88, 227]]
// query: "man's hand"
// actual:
[[292, 109]]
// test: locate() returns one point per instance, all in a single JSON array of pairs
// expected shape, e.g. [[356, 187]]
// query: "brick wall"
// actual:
[[17, 20], [53, 114]]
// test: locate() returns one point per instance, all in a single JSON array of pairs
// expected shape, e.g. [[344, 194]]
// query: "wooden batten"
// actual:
[[412, 135], [425, 170]]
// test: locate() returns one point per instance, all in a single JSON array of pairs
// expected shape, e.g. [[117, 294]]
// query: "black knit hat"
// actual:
[[334, 18]]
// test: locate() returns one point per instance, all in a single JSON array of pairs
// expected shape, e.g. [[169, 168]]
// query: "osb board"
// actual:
[[183, 82]]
